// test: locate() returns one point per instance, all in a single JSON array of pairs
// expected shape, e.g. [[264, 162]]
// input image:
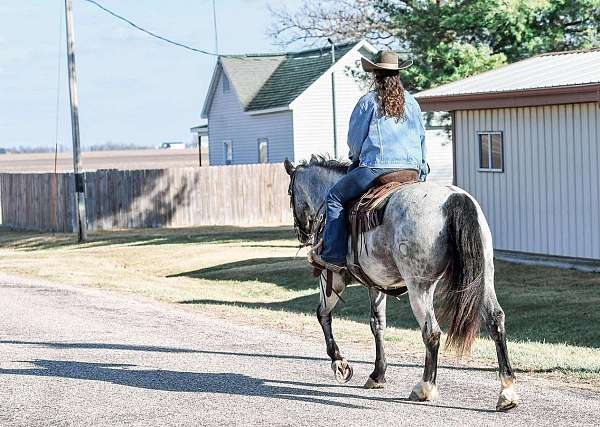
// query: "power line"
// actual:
[[150, 33]]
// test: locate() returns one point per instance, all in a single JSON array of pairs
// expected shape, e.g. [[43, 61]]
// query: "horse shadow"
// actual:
[[207, 382]]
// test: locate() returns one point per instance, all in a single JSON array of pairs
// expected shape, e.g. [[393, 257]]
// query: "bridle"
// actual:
[[307, 237]]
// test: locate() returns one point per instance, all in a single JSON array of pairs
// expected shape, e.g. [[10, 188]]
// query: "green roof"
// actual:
[[270, 81]]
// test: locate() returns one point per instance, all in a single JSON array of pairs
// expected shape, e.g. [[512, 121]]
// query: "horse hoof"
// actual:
[[372, 384], [508, 399], [342, 370], [424, 391]]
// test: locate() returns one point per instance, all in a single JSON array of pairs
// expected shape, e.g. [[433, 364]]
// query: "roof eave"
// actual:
[[521, 98], [269, 110], [211, 89], [356, 47]]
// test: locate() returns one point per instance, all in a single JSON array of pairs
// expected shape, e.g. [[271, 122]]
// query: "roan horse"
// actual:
[[429, 233]]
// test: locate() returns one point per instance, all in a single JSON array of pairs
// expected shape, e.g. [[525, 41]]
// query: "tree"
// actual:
[[448, 40]]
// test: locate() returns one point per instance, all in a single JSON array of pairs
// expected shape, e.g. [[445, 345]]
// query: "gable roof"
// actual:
[[248, 74], [266, 81], [549, 73]]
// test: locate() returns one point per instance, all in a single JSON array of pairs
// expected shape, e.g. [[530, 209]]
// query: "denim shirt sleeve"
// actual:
[[358, 130]]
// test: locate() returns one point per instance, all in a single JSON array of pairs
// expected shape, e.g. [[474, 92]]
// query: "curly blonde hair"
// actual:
[[389, 94]]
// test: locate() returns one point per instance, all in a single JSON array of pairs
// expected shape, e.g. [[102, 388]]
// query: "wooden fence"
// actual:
[[116, 199]]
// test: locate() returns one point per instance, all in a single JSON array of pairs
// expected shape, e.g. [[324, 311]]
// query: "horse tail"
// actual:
[[464, 278]]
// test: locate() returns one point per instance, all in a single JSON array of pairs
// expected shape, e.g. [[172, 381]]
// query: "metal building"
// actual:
[[526, 142]]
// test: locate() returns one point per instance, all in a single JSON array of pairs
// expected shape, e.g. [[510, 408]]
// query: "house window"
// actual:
[[225, 84], [263, 150], [228, 152], [491, 151]]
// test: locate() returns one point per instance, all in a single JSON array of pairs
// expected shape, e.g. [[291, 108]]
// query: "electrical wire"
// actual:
[[150, 33]]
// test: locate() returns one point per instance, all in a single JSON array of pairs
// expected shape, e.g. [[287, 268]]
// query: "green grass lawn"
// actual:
[[541, 304], [552, 314]]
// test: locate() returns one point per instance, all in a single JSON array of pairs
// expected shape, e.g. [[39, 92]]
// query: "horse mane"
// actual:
[[326, 162]]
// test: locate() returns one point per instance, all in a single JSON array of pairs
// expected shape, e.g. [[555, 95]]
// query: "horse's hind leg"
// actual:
[[421, 302], [342, 370], [494, 321], [378, 304]]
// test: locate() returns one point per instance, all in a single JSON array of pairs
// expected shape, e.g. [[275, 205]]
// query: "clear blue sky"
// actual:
[[132, 88]]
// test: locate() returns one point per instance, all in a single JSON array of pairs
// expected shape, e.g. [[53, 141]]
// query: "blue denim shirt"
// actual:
[[379, 142]]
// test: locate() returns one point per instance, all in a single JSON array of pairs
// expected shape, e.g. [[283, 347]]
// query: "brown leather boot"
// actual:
[[314, 258]]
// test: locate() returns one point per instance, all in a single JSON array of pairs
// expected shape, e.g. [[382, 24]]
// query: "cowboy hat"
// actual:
[[385, 60]]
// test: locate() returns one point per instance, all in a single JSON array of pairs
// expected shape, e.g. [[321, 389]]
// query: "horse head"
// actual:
[[310, 181]]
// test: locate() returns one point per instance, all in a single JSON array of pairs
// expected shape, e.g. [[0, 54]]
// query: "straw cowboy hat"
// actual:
[[385, 60]]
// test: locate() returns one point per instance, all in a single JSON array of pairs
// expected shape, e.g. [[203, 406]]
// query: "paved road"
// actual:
[[79, 356]]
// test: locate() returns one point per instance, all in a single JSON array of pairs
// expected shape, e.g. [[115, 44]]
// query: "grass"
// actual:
[[252, 273]]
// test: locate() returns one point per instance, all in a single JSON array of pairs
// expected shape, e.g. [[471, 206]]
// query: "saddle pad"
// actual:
[[367, 213]]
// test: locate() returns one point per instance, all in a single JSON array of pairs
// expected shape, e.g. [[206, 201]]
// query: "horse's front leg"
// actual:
[[378, 304], [342, 370]]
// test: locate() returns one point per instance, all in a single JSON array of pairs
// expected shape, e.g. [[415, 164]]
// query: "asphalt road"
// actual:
[[81, 356]]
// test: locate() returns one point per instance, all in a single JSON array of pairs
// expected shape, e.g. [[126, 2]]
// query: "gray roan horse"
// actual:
[[430, 233]]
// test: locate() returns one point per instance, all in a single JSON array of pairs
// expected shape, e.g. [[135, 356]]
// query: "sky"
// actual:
[[132, 88]]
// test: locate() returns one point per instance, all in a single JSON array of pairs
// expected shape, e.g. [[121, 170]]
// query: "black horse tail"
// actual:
[[464, 277]]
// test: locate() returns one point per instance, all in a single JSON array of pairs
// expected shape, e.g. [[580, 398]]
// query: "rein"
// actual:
[[316, 222]]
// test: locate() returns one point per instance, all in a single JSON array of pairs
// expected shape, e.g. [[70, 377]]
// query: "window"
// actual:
[[228, 152], [491, 151], [263, 150], [225, 84]]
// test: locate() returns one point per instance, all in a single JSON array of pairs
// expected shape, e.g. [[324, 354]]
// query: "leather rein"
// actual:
[[316, 223]]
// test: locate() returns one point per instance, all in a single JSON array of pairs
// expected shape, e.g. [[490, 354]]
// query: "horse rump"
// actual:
[[462, 295]]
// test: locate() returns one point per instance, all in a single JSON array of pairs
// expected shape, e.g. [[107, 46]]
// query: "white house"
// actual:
[[527, 146], [263, 108]]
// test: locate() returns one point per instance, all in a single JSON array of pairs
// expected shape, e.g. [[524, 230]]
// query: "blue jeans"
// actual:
[[350, 187]]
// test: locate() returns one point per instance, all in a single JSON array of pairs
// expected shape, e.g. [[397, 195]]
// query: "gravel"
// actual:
[[73, 356]]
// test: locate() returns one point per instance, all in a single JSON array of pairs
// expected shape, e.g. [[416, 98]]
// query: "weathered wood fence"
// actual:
[[116, 199]]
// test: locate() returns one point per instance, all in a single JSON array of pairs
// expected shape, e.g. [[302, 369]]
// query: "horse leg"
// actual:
[[494, 321], [342, 370], [421, 302], [378, 304]]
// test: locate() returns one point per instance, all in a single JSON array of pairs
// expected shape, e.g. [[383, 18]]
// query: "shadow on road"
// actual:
[[203, 382], [161, 349]]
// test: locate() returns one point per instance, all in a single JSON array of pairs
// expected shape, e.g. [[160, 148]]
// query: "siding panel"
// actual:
[[228, 121], [547, 200]]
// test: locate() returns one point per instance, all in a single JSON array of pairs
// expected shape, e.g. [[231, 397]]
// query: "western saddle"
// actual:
[[366, 213]]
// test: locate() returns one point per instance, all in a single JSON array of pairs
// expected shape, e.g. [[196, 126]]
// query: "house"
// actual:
[[526, 141], [264, 108]]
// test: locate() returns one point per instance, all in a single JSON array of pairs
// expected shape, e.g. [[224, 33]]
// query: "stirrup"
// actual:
[[316, 260]]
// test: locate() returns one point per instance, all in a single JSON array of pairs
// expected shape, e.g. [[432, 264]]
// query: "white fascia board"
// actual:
[[214, 82], [269, 110], [334, 67], [212, 87]]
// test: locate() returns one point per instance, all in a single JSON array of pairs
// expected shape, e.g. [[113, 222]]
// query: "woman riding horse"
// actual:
[[385, 135], [430, 234]]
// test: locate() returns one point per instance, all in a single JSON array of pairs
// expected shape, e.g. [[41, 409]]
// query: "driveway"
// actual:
[[81, 356]]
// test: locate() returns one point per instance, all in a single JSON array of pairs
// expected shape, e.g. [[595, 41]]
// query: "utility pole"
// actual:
[[215, 27], [335, 145], [79, 181]]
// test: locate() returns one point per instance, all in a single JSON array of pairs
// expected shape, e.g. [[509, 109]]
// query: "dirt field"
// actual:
[[94, 160], [253, 275]]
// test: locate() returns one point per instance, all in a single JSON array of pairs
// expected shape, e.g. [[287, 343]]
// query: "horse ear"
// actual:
[[289, 167]]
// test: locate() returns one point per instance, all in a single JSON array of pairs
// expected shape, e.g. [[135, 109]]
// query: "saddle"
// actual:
[[367, 213]]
